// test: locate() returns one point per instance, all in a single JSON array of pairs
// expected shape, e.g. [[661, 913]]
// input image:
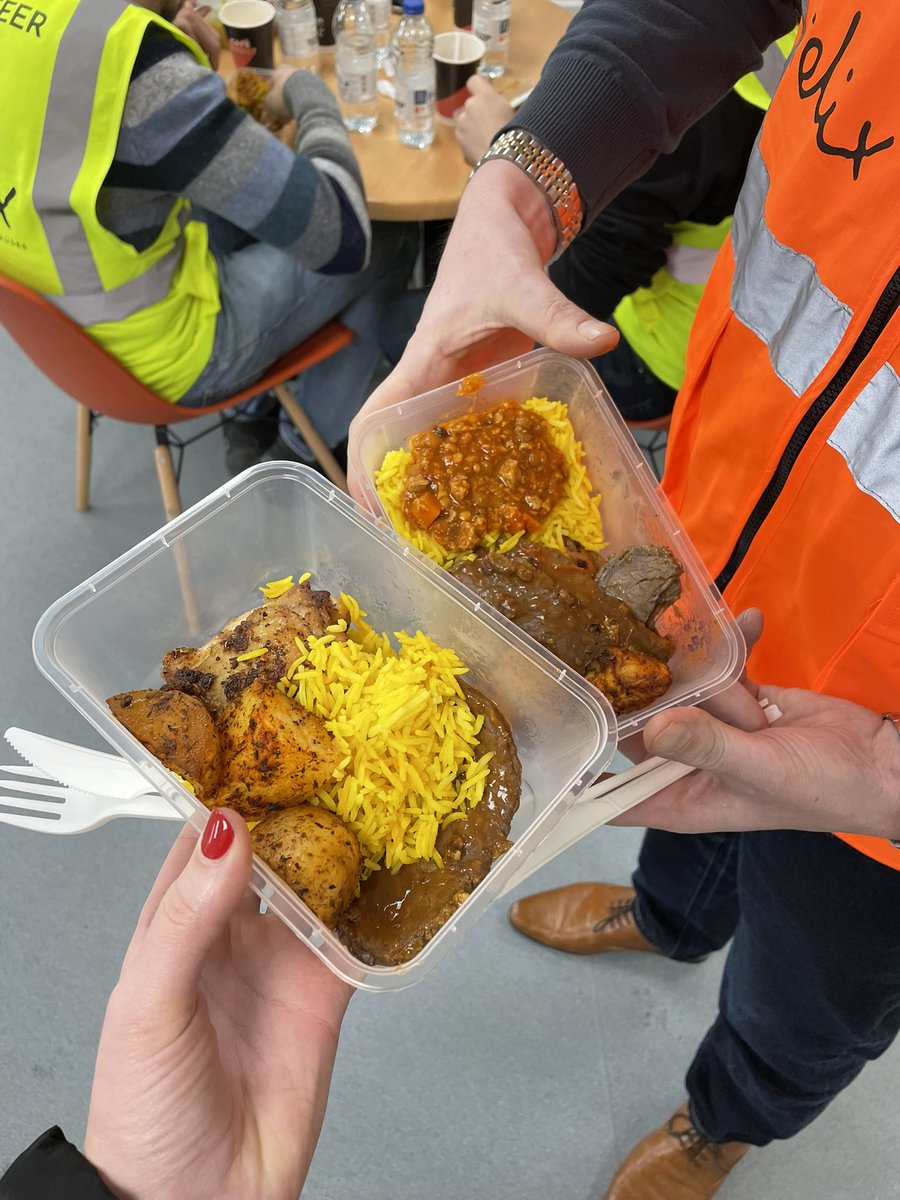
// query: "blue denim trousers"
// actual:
[[271, 303], [811, 989]]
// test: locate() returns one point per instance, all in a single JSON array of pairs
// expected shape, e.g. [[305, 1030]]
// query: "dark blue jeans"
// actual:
[[811, 989], [271, 303]]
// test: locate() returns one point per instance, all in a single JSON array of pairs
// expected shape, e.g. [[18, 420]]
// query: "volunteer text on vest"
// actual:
[[16, 17]]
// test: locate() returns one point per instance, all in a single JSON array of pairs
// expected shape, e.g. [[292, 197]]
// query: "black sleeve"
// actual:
[[627, 243], [630, 76], [52, 1169]]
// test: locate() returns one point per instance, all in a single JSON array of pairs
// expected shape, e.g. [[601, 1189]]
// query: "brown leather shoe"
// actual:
[[675, 1163], [583, 918]]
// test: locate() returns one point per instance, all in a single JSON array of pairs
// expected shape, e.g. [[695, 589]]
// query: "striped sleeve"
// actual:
[[182, 135]]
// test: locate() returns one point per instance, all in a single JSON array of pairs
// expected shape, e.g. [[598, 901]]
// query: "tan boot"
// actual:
[[583, 918], [675, 1163]]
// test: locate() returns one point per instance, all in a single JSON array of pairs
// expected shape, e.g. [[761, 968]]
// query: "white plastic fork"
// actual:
[[71, 810]]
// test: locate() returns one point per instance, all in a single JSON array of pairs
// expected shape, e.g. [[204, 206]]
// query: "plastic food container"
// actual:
[[184, 583], [260, 80], [710, 650]]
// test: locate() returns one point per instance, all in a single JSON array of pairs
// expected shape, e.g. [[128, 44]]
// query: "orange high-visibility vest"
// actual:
[[784, 453]]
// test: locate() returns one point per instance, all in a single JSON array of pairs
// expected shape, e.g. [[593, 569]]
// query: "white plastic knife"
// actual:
[[79, 767]]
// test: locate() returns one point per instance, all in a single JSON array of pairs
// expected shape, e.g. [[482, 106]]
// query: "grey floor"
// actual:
[[511, 1072]]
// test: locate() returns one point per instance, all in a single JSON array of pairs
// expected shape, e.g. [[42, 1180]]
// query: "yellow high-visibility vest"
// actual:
[[65, 69], [656, 320]]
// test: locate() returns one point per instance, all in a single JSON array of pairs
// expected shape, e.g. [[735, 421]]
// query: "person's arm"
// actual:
[[216, 1052], [181, 134], [619, 89], [481, 117], [826, 765], [630, 76], [629, 241]]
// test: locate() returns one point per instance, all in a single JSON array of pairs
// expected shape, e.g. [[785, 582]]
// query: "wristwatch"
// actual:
[[550, 174], [894, 718]]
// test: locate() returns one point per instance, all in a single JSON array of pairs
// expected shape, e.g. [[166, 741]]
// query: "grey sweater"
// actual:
[[182, 136]]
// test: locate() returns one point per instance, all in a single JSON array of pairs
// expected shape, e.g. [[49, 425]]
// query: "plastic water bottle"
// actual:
[[381, 19], [413, 53], [490, 21], [297, 33], [354, 65]]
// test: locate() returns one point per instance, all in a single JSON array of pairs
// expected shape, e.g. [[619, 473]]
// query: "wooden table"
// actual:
[[407, 184]]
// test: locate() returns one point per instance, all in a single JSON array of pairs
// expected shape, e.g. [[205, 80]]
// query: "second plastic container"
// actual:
[[710, 650]]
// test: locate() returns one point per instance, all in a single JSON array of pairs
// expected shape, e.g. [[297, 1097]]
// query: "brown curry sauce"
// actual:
[[396, 915]]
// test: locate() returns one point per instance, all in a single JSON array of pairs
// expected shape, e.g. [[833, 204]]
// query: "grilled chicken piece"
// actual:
[[213, 672], [646, 578], [628, 679], [396, 915], [177, 729], [275, 753]]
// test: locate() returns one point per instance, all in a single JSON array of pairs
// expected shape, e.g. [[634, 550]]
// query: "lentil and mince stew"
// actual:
[[495, 471]]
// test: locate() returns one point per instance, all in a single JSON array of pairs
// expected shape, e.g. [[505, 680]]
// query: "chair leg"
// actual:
[[165, 470], [83, 429], [168, 485], [311, 436]]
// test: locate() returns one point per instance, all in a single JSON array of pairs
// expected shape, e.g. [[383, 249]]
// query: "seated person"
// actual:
[[185, 238], [642, 264]]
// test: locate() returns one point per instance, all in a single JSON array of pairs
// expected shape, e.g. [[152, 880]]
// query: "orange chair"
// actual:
[[655, 446], [99, 384]]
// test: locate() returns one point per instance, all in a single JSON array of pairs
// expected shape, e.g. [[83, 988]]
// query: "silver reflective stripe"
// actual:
[[690, 264], [115, 305], [772, 69], [868, 438], [777, 293], [64, 142]]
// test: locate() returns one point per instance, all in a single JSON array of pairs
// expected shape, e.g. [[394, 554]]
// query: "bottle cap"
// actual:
[[413, 8]]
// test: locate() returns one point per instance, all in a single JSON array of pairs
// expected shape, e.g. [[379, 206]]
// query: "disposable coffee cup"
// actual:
[[325, 21], [249, 26], [456, 58], [462, 14]]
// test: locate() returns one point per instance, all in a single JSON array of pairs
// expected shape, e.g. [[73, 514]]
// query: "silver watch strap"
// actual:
[[549, 173]]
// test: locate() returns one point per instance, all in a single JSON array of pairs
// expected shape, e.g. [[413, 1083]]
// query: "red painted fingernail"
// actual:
[[217, 836]]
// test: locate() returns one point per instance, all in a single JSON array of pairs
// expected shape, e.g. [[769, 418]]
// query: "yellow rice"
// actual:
[[278, 587], [406, 736], [251, 654], [576, 515]]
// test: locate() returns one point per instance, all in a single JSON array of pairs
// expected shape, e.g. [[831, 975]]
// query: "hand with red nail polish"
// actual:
[[219, 1039]]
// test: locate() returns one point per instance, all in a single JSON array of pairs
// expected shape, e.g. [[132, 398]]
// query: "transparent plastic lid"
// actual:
[[183, 584], [710, 650]]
